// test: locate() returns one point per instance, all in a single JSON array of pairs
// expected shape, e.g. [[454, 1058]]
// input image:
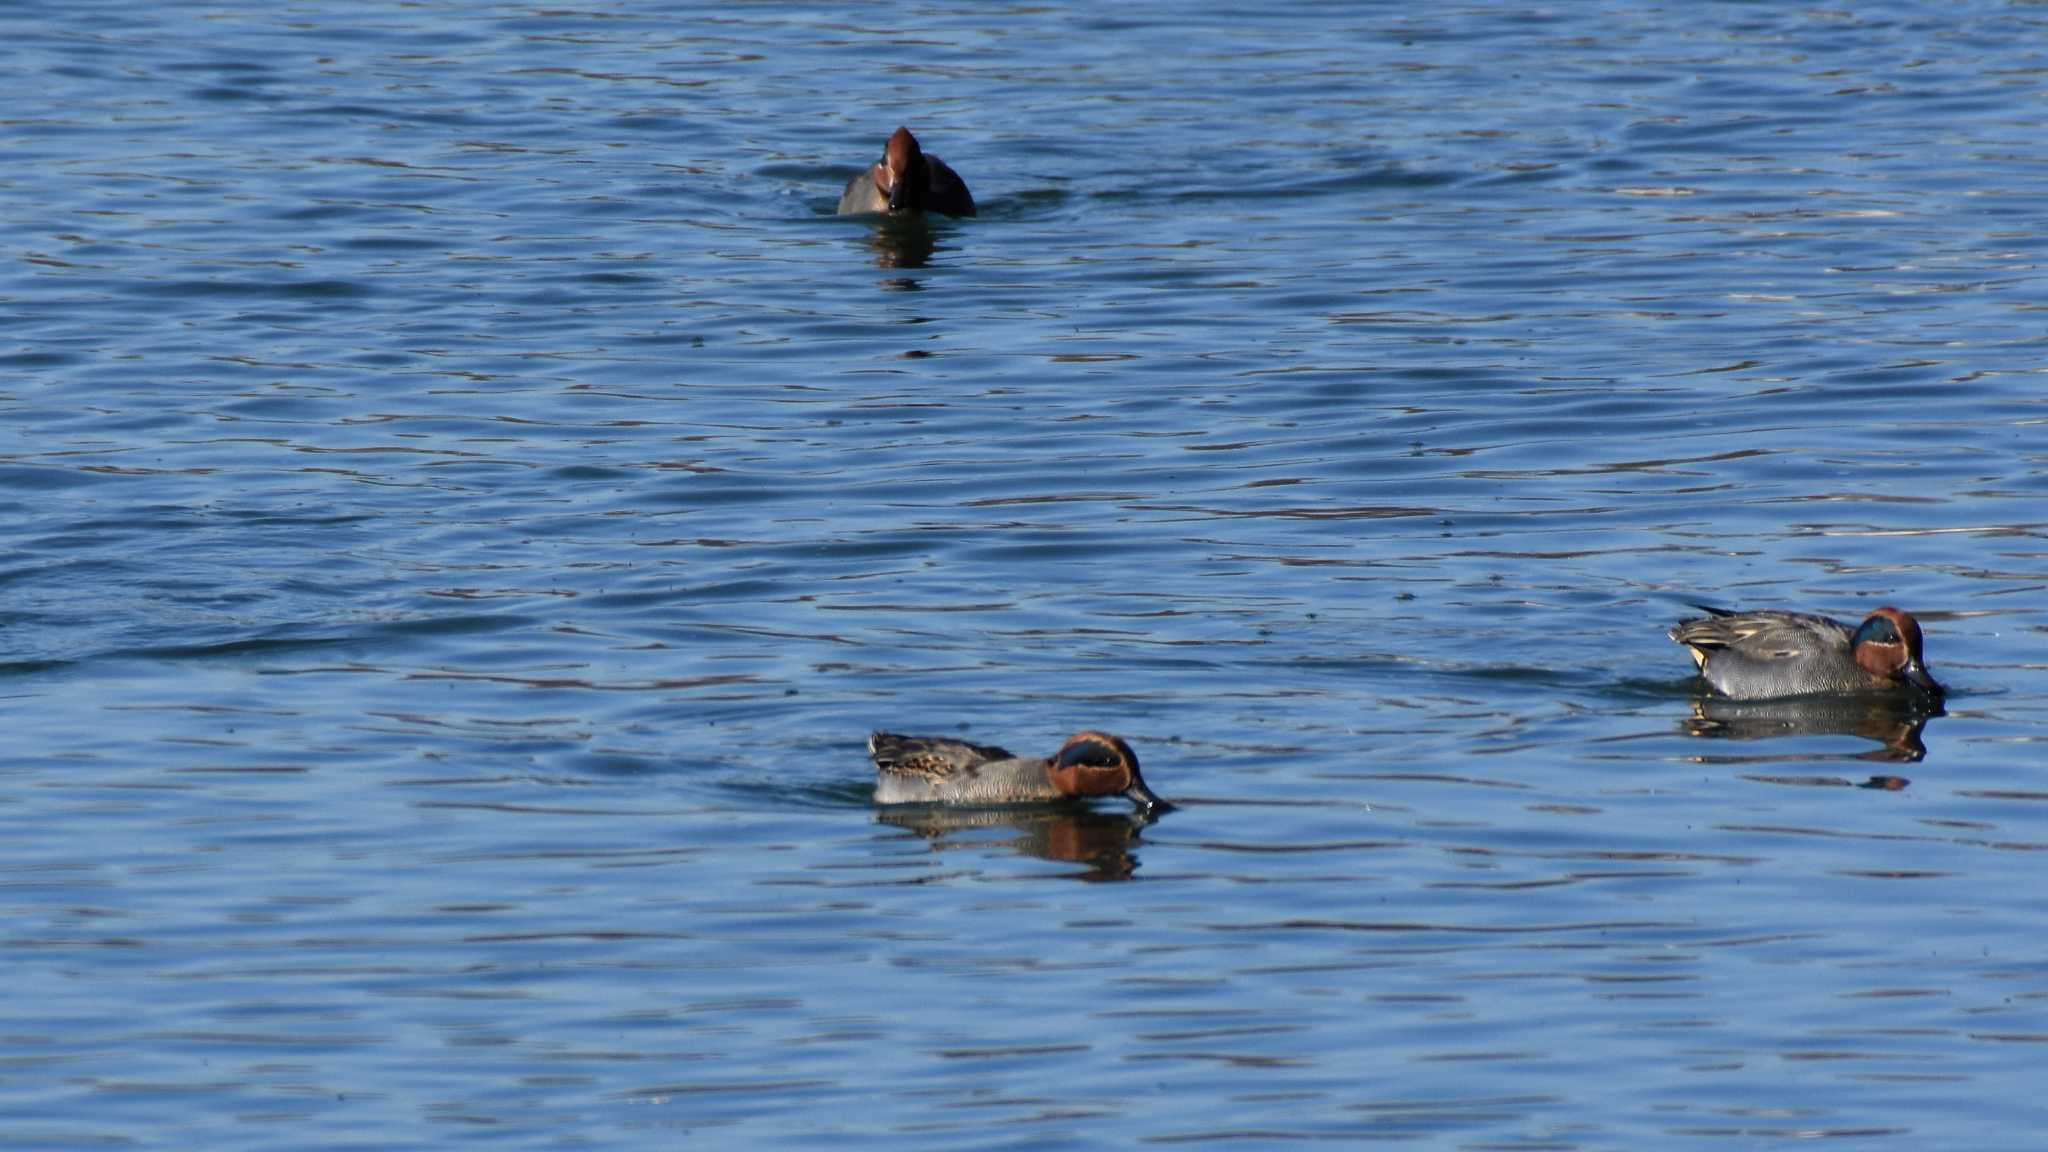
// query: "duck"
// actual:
[[1759, 655], [907, 180], [938, 770]]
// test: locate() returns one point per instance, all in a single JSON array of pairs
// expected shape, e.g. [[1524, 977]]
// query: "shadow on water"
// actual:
[[1103, 842], [1893, 723], [903, 241]]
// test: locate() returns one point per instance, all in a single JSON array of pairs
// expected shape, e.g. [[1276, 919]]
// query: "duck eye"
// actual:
[[1878, 630]]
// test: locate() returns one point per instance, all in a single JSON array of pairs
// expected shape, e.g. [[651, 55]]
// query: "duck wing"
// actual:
[[949, 192], [1761, 635], [930, 756]]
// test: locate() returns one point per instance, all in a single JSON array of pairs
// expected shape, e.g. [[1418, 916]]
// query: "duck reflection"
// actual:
[[1893, 723], [1104, 843], [901, 242]]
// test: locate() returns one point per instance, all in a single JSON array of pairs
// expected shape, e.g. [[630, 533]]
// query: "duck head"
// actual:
[[1887, 645], [902, 175], [1099, 764]]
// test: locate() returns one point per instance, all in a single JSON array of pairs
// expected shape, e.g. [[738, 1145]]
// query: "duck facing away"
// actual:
[[1756, 655], [936, 770], [907, 180]]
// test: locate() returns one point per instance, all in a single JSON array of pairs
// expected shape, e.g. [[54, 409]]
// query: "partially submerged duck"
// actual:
[[907, 180], [1758, 655], [936, 770]]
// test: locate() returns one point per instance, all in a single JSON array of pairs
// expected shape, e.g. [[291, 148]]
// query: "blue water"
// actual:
[[464, 501]]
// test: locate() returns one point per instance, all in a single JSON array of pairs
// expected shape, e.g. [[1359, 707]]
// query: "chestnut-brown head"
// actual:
[[1887, 645], [1099, 764], [901, 175]]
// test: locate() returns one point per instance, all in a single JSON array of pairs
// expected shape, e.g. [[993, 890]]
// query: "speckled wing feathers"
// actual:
[[931, 757]]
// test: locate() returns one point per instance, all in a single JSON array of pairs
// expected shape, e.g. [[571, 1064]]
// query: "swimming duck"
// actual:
[[935, 770], [1754, 655], [905, 179]]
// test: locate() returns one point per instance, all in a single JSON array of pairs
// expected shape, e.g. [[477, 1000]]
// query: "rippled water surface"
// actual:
[[467, 499]]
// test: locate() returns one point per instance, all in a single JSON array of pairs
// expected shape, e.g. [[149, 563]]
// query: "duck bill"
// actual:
[[898, 191], [1145, 798], [1915, 674]]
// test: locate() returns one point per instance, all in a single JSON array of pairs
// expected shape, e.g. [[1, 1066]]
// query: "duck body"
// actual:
[[907, 180], [1768, 654], [938, 770]]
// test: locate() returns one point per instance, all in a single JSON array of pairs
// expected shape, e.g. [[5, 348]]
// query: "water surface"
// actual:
[[464, 500]]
